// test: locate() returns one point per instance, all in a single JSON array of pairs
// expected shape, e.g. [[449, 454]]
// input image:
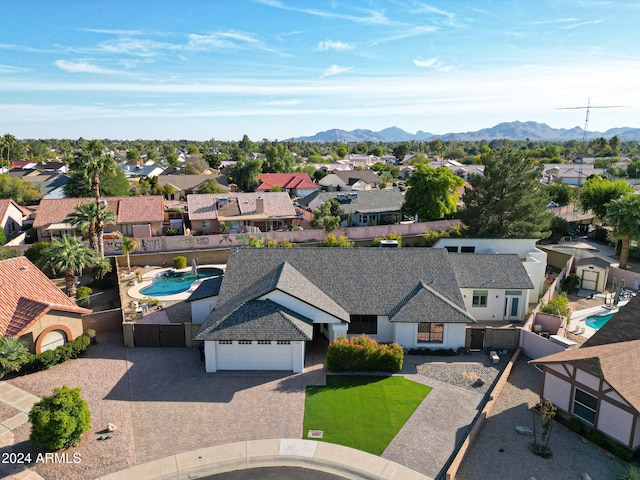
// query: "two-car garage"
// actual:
[[254, 355]]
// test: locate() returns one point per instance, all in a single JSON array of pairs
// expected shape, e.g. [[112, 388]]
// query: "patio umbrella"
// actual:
[[194, 268], [636, 286]]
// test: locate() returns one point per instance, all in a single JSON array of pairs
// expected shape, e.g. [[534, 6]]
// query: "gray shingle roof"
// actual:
[[208, 288], [424, 302], [363, 281], [390, 200], [262, 320], [490, 270]]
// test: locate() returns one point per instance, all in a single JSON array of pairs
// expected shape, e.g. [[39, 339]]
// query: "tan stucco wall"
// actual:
[[55, 317]]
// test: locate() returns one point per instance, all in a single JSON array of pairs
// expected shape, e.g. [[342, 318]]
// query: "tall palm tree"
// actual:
[[68, 255], [129, 244], [623, 215], [13, 354], [85, 218], [92, 161]]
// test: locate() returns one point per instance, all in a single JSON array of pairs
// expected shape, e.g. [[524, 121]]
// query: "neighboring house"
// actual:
[[370, 207], [598, 383], [184, 185], [350, 180], [152, 170], [203, 300], [11, 215], [272, 301], [533, 259], [51, 185], [34, 309], [297, 184], [243, 212], [139, 217], [569, 173], [55, 167], [460, 169]]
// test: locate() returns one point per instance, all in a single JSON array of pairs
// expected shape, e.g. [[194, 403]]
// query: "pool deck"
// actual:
[[579, 318], [134, 291]]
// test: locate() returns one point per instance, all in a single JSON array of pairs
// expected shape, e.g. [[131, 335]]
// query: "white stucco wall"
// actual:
[[557, 391], [495, 304], [210, 364], [406, 334], [200, 309], [587, 379], [303, 308], [520, 246], [615, 422], [536, 267]]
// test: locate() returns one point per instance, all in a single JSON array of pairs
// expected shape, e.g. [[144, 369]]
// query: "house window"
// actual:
[[283, 342], [226, 342], [480, 298], [127, 229], [467, 249], [264, 342], [206, 223], [245, 342], [360, 324], [430, 332], [584, 406]]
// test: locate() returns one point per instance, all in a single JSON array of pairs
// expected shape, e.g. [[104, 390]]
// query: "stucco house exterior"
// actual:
[[204, 299], [140, 216], [598, 383], [350, 180], [272, 301], [11, 216], [243, 212], [377, 207], [34, 309], [184, 185], [296, 184]]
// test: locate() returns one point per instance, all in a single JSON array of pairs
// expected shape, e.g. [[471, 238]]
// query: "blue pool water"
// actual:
[[170, 283], [597, 321]]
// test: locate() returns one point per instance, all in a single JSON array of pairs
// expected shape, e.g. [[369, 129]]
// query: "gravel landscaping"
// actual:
[[498, 444], [460, 370], [7, 411]]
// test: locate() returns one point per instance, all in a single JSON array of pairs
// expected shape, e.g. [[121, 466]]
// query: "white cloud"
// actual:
[[370, 17], [425, 63], [581, 24], [83, 67], [331, 45], [335, 70], [6, 69], [112, 32]]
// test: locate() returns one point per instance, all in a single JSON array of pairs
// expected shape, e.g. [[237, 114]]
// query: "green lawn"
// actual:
[[361, 412]]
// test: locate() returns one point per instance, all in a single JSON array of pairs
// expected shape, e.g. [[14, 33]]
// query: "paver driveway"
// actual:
[[163, 403]]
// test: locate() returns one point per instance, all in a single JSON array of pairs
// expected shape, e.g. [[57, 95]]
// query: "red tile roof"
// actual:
[[287, 181], [26, 295], [146, 208]]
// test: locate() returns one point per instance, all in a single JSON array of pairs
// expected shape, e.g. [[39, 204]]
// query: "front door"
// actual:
[[477, 339], [512, 306]]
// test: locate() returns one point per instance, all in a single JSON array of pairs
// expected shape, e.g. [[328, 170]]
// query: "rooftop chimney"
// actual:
[[259, 205]]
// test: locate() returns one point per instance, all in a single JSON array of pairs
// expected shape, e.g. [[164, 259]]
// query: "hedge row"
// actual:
[[363, 354], [49, 358]]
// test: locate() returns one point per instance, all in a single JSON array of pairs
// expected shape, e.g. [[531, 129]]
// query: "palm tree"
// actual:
[[85, 218], [68, 255], [92, 161], [129, 244], [13, 354], [101, 267], [623, 215]]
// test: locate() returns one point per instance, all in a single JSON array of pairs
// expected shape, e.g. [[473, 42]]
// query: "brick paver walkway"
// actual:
[[438, 425]]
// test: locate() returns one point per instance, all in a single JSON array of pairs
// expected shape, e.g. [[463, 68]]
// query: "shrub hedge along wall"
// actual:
[[364, 354]]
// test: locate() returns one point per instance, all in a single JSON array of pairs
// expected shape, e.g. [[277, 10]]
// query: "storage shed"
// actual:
[[593, 273]]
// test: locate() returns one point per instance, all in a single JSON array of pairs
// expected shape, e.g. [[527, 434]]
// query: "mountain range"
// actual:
[[534, 131]]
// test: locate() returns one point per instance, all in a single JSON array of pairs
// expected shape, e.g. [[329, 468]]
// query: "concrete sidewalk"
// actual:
[[20, 400], [327, 457]]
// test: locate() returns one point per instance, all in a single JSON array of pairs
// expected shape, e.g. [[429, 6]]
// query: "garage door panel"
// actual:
[[53, 340], [589, 280], [254, 357]]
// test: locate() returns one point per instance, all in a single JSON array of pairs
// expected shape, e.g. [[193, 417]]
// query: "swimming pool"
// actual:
[[172, 283], [597, 321]]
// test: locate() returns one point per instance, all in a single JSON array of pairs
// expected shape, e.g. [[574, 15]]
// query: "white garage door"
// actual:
[[589, 280], [52, 340], [254, 357]]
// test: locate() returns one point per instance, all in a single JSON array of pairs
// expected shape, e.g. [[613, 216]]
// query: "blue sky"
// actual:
[[282, 68]]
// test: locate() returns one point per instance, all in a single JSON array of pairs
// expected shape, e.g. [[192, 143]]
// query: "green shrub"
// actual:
[[49, 358], [172, 231], [363, 354], [82, 296], [180, 262], [595, 437], [632, 474], [13, 354], [58, 421], [570, 283], [623, 453], [574, 425], [558, 305]]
